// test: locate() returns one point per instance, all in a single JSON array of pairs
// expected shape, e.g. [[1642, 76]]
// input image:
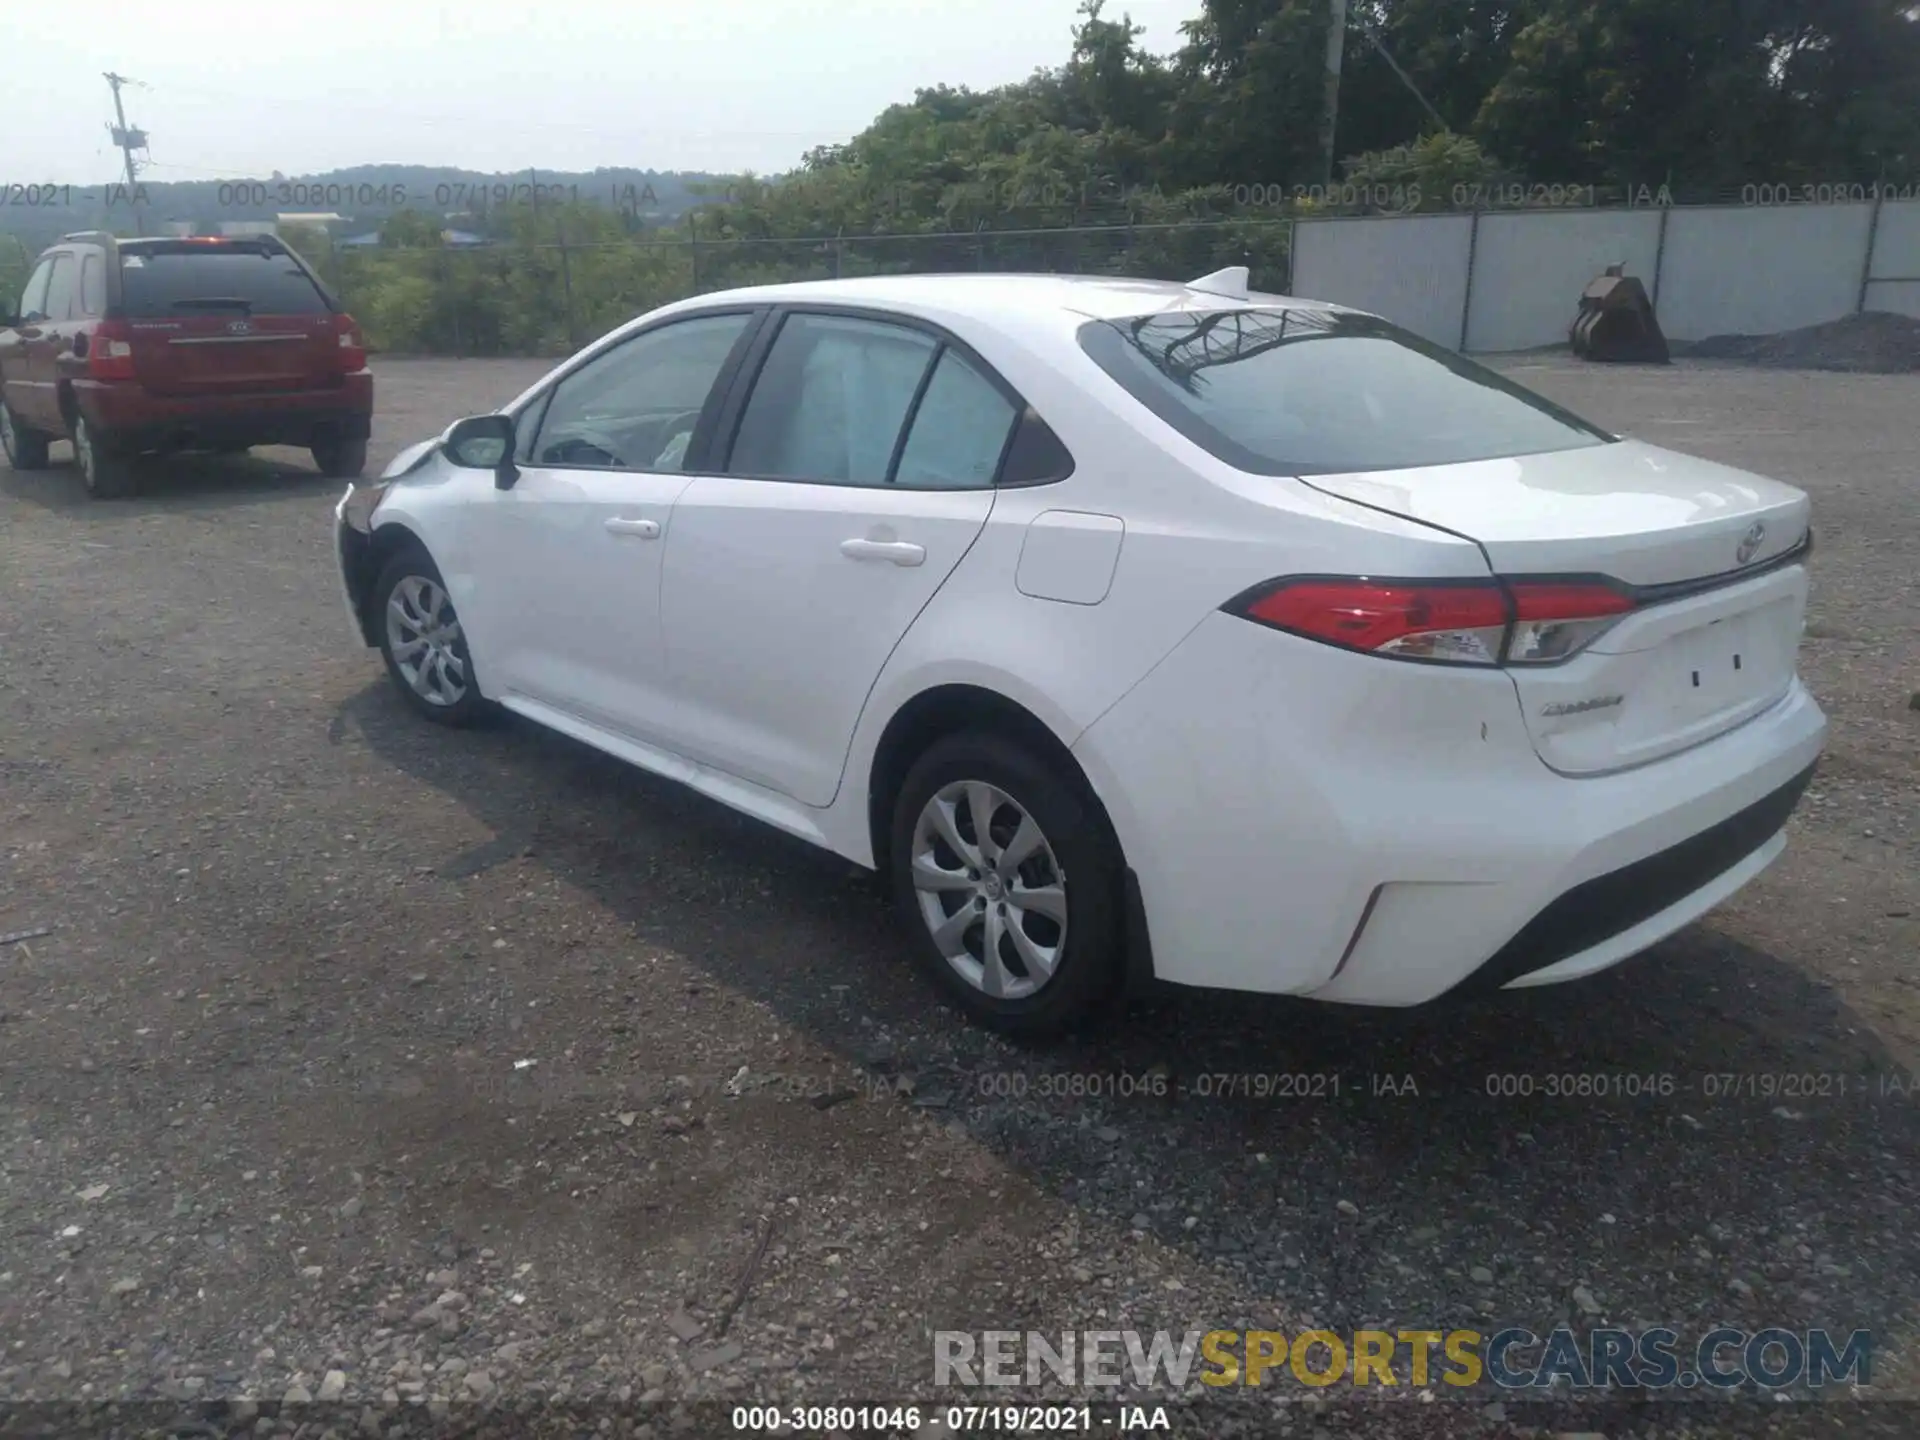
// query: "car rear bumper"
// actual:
[[1311, 822], [140, 420]]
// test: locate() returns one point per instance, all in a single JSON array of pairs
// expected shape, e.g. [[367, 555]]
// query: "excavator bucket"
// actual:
[[1616, 322]]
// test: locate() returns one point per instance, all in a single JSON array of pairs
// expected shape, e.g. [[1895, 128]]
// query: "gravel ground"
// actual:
[[373, 1076], [1876, 341]]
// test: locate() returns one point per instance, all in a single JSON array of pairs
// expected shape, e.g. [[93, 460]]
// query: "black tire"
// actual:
[[104, 463], [341, 459], [1087, 972], [25, 449], [413, 565]]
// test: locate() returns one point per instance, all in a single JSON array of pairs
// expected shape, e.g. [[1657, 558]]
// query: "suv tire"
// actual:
[[104, 464], [341, 459], [26, 449]]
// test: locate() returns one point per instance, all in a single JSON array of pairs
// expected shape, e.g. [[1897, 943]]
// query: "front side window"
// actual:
[[33, 300], [635, 406], [959, 430], [60, 288], [1314, 392], [831, 399]]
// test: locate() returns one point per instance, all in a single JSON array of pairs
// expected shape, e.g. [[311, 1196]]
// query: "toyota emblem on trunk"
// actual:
[[1750, 542], [239, 327]]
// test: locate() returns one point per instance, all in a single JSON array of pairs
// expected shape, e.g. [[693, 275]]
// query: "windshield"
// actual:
[[1279, 391]]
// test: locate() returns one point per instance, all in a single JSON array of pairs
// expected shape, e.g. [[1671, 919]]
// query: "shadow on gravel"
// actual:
[[1700, 1120], [177, 482]]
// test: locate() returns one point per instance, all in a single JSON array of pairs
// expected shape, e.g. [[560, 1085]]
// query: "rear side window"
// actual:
[[93, 289], [959, 431], [1313, 392], [247, 280], [830, 400]]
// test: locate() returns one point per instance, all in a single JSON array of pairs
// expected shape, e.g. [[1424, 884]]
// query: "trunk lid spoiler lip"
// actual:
[[1644, 596]]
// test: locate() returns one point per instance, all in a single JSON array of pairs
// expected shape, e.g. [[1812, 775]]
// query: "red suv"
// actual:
[[131, 346]]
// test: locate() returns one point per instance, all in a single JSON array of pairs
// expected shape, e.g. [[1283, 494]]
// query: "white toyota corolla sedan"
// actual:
[[1137, 631]]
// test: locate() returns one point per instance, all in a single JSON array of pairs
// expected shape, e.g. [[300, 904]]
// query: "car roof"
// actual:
[[1070, 298]]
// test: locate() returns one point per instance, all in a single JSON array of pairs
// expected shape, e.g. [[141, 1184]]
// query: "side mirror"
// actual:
[[484, 442]]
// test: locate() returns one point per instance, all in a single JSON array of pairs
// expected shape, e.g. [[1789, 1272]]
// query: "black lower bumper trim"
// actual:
[[299, 428], [1612, 904]]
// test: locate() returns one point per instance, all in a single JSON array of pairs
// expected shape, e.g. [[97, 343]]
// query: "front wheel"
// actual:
[[26, 449], [422, 642], [104, 465], [1011, 882]]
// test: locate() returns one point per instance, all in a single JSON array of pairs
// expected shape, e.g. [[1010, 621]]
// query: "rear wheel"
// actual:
[[26, 449], [1011, 882], [104, 465], [341, 459], [422, 642]]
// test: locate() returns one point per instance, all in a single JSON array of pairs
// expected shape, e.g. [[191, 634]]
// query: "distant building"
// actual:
[[233, 228], [319, 219], [452, 239]]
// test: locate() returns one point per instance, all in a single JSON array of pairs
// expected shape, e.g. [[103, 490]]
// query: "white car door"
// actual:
[[568, 560], [859, 472]]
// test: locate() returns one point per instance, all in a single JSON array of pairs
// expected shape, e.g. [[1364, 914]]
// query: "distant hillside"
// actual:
[[365, 194]]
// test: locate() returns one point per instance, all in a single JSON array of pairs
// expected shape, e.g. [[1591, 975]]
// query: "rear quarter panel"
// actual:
[[1197, 533]]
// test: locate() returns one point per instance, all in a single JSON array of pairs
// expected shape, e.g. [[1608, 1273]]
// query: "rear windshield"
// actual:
[[1315, 392], [239, 279]]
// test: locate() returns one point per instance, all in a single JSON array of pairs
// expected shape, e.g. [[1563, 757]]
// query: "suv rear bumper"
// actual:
[[137, 419]]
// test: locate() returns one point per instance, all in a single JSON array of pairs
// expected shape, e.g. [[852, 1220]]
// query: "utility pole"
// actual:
[[129, 139], [1336, 47]]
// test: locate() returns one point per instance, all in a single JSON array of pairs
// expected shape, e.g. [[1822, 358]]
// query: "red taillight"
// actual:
[[353, 349], [110, 351], [1554, 620], [1472, 622]]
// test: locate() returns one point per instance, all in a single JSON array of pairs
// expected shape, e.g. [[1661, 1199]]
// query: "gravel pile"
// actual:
[[1875, 342]]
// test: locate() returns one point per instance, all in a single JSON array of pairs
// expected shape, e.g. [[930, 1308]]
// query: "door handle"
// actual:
[[645, 529], [900, 552]]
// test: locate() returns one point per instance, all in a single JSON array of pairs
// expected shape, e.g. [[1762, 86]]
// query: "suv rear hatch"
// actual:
[[218, 317], [1709, 556]]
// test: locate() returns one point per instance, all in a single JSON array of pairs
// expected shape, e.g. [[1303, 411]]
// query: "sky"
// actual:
[[231, 90]]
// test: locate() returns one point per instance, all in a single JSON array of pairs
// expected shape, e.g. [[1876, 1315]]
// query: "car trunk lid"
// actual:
[[1711, 555]]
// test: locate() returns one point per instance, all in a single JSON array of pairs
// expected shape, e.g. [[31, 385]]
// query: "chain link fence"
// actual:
[[551, 297]]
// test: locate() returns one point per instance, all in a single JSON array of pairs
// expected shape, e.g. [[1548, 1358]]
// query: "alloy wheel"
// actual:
[[990, 889], [423, 636]]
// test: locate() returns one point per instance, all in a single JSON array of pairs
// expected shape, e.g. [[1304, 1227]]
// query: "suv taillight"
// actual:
[[1452, 622], [353, 349], [110, 351]]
